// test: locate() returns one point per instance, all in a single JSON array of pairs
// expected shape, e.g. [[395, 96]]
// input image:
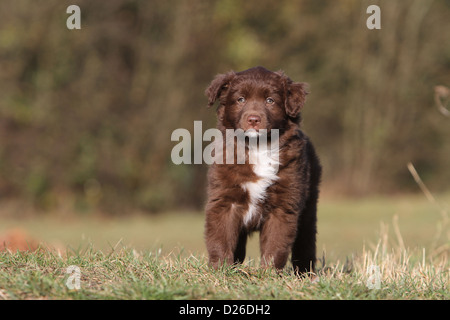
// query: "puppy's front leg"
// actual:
[[222, 232], [276, 239]]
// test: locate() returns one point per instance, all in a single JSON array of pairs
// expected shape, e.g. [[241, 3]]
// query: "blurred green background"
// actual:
[[86, 115]]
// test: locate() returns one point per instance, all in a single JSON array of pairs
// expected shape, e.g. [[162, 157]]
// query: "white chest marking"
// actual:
[[265, 166]]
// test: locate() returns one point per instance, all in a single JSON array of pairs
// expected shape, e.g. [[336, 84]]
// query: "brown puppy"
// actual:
[[279, 201]]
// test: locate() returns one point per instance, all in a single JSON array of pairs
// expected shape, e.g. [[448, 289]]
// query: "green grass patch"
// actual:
[[127, 274], [402, 244]]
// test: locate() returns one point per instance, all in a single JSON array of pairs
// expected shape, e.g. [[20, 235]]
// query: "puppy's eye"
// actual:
[[270, 101], [241, 100]]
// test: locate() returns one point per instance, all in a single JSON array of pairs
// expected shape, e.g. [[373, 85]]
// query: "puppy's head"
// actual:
[[256, 99]]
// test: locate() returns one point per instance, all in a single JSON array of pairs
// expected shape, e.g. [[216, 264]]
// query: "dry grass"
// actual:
[[386, 268], [124, 273]]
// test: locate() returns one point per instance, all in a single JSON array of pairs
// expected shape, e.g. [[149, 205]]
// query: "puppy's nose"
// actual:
[[253, 120]]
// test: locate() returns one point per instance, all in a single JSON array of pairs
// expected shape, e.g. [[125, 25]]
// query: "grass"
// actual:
[[402, 242], [127, 274]]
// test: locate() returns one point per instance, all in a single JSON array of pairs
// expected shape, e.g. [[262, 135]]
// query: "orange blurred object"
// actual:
[[17, 239]]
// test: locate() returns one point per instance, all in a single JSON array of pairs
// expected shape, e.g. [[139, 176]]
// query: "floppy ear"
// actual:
[[295, 98], [220, 83]]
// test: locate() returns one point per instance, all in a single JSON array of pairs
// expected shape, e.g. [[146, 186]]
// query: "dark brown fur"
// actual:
[[287, 215]]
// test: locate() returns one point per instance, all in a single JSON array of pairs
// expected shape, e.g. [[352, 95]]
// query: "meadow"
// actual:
[[402, 242]]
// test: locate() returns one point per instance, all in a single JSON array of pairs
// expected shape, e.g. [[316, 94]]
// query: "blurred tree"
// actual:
[[87, 114]]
